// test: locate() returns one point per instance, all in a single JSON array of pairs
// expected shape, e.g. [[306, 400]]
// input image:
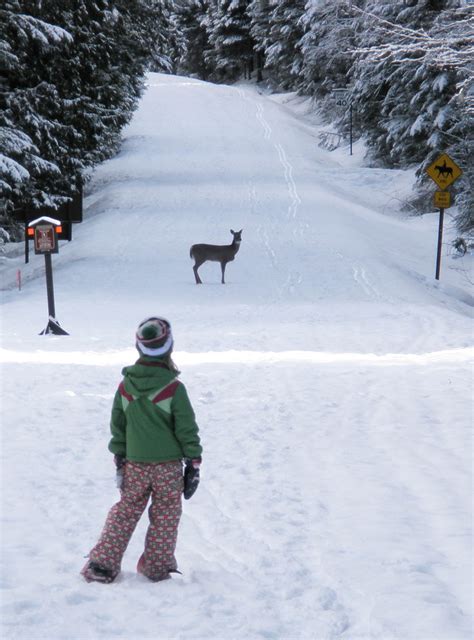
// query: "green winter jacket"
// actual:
[[152, 417]]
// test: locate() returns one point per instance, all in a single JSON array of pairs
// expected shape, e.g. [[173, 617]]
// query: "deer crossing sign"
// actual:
[[444, 171]]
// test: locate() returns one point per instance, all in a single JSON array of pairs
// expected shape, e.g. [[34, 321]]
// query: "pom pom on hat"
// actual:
[[154, 337]]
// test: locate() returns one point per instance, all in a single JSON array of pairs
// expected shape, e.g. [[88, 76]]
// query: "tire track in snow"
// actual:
[[293, 278], [295, 200], [360, 276], [261, 229], [268, 247], [261, 118]]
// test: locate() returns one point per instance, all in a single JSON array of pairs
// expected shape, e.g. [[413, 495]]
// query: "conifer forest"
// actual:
[[74, 70]]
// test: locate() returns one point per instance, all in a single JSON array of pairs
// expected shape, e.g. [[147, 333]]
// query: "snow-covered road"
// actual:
[[331, 378]]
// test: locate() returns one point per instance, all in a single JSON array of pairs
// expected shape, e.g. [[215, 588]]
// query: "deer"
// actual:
[[225, 253]]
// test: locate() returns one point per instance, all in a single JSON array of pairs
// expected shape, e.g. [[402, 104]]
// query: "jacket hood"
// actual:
[[147, 375]]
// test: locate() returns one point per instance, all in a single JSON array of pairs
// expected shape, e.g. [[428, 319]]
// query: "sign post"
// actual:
[[440, 243], [343, 101], [44, 232], [350, 126], [444, 171]]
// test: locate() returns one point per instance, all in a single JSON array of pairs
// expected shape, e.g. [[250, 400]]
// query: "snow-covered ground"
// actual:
[[331, 378]]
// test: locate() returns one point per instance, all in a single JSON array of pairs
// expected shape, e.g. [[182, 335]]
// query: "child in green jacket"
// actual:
[[153, 431]]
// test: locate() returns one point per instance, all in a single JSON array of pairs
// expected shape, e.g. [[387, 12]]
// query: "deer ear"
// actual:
[[232, 232]]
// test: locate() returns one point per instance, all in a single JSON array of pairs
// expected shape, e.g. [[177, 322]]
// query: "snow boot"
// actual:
[[141, 571], [95, 572]]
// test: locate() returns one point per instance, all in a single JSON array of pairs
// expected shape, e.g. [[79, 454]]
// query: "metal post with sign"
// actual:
[[343, 100], [44, 231], [68, 213], [444, 171]]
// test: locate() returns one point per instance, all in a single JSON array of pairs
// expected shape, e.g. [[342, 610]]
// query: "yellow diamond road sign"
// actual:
[[444, 171]]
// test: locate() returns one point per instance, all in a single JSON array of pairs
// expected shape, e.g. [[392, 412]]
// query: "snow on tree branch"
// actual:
[[447, 45], [42, 32], [11, 171]]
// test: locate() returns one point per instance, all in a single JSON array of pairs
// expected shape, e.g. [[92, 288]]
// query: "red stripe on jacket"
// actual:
[[166, 393], [124, 393]]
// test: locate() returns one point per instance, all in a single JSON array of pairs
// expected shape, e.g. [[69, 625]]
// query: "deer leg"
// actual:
[[223, 264], [196, 274]]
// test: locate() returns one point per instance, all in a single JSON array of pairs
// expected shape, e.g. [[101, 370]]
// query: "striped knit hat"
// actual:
[[154, 337]]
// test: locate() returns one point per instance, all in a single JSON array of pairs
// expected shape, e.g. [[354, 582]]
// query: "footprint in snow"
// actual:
[[207, 398]]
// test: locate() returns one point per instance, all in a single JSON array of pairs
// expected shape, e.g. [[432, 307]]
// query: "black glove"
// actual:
[[119, 461], [119, 469], [191, 476]]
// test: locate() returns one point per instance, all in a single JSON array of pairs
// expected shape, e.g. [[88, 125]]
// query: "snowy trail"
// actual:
[[331, 378], [338, 529]]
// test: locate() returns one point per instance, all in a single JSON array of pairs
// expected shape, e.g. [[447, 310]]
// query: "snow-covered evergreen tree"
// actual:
[[73, 74], [412, 86], [392, 98], [259, 14], [192, 18], [230, 55], [167, 39], [31, 124], [327, 46], [283, 57]]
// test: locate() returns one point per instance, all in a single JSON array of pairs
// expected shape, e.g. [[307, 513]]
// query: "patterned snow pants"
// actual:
[[164, 482]]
